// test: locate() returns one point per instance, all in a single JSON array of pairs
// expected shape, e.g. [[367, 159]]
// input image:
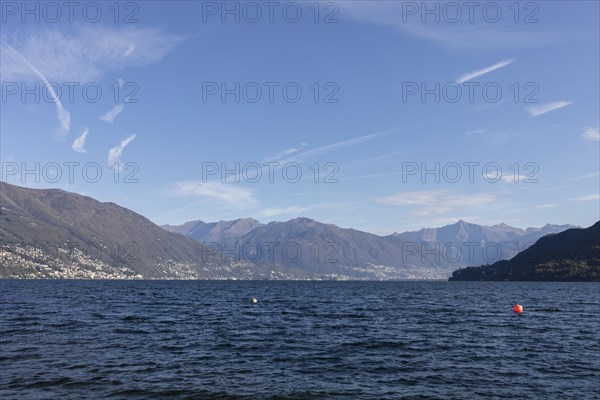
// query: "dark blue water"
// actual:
[[302, 340]]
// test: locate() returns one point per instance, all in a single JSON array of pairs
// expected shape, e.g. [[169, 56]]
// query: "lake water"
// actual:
[[301, 340]]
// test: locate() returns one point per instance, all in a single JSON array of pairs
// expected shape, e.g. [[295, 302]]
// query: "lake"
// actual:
[[301, 340]]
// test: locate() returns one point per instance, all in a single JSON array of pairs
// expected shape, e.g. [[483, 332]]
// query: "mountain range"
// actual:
[[50, 233], [315, 247]]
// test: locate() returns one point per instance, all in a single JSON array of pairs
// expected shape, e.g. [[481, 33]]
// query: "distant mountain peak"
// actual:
[[302, 220], [215, 231], [462, 222]]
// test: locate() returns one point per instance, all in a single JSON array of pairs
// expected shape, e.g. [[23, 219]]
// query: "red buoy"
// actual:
[[518, 308]]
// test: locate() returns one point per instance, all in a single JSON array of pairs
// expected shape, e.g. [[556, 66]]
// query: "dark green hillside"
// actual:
[[572, 255]]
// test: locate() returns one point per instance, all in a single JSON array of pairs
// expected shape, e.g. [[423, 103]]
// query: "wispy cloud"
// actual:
[[285, 153], [299, 157], [331, 147], [512, 178], [232, 194], [387, 158], [475, 132], [114, 154], [271, 212], [584, 176], [592, 134], [85, 53], [112, 114], [305, 155], [465, 33], [546, 206], [536, 111], [374, 176], [480, 72], [436, 201], [589, 197], [79, 143], [506, 178], [62, 114]]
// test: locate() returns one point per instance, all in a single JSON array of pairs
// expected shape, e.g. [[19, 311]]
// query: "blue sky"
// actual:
[[152, 87]]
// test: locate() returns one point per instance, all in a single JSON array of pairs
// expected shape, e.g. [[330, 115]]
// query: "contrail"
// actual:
[[486, 70], [63, 115]]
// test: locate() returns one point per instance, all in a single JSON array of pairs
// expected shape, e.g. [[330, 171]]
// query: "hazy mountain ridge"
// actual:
[[467, 232], [53, 233], [330, 249], [473, 244], [572, 255], [214, 231]]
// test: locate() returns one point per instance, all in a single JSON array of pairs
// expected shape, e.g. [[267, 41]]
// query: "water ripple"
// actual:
[[302, 340]]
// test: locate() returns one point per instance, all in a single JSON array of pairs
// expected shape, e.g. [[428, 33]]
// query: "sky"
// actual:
[[380, 116]]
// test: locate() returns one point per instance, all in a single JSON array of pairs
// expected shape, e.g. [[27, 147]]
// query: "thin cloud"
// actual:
[[589, 197], [299, 157], [506, 178], [511, 178], [536, 111], [231, 194], [114, 154], [437, 201], [546, 206], [79, 143], [486, 70], [61, 113], [592, 134], [475, 132], [286, 152], [86, 53], [271, 212], [374, 176], [387, 157], [465, 33], [112, 114], [584, 176]]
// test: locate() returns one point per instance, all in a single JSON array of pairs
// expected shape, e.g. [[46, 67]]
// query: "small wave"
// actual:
[[134, 318], [60, 381], [172, 393]]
